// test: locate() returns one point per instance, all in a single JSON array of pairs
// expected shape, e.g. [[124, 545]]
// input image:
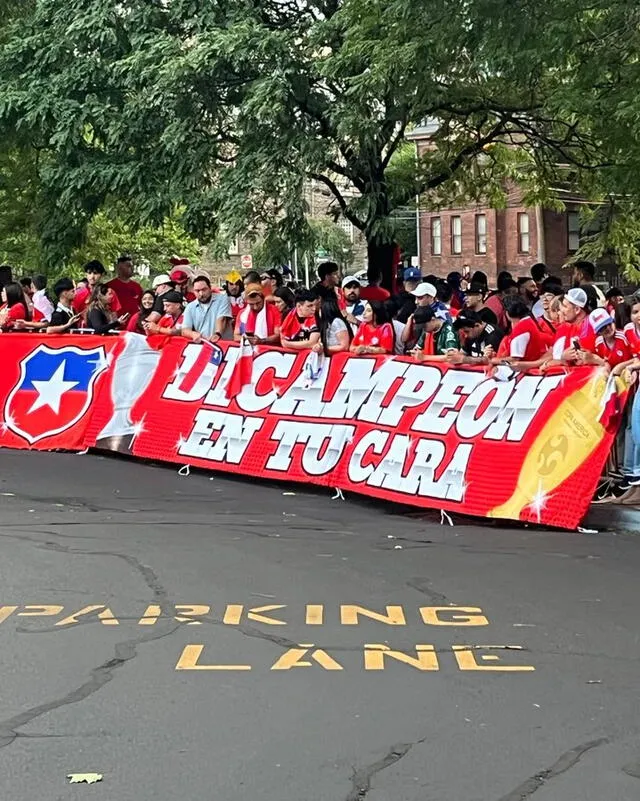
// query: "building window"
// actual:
[[436, 236], [347, 227], [456, 234], [573, 231], [481, 234], [234, 247], [523, 232]]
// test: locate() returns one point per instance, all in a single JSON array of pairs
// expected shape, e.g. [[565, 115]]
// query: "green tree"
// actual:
[[229, 107]]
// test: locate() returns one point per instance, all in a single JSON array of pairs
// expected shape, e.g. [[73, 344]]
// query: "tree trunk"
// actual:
[[381, 263]]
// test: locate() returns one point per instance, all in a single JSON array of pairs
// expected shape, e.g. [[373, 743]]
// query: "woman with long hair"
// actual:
[[100, 316], [14, 310], [335, 332], [136, 323], [284, 300], [375, 335]]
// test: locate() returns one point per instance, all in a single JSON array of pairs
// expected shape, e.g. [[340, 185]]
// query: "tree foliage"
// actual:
[[227, 107]]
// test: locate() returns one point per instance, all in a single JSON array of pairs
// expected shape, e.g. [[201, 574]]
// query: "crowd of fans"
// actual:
[[526, 322]]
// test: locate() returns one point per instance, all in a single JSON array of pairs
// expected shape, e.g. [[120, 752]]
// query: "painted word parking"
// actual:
[[375, 656]]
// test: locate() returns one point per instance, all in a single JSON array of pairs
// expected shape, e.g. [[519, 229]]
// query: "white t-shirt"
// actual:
[[335, 328], [398, 328]]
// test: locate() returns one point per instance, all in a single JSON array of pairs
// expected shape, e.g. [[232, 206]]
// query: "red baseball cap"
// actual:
[[178, 275]]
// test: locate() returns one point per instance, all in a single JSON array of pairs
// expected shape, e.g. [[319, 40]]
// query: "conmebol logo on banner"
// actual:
[[54, 391]]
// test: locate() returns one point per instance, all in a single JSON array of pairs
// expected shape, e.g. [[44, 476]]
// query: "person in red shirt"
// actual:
[[300, 329], [551, 302], [128, 292], [524, 346], [14, 310], [576, 328], [374, 291], [258, 321], [375, 334], [180, 278], [94, 272], [632, 329], [146, 308], [170, 323], [612, 347]]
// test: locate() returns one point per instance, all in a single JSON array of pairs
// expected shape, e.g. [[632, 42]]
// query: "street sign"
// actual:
[[246, 262]]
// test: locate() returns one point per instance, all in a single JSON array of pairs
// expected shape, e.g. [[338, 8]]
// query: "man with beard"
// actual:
[[584, 273], [529, 292], [234, 287], [354, 306], [128, 292]]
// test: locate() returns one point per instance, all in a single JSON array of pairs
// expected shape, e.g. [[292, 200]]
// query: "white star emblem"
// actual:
[[50, 392]]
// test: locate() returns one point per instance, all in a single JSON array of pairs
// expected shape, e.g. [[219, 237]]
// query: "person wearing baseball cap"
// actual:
[[161, 284], [612, 347], [425, 297], [405, 301], [474, 301], [258, 321], [171, 321], [354, 307], [576, 332], [180, 277]]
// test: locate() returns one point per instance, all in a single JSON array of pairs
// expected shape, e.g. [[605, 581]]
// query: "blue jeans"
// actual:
[[631, 462]]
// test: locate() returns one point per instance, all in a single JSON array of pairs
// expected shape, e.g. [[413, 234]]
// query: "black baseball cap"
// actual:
[[466, 319], [475, 289], [172, 297]]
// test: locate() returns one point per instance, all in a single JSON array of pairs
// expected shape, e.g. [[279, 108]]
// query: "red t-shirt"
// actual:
[[82, 297], [250, 317], [168, 321], [374, 293], [296, 329], [548, 331], [375, 336], [567, 332], [633, 338], [16, 312], [618, 353], [524, 342], [129, 294]]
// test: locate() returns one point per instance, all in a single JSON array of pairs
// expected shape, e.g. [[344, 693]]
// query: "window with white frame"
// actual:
[[523, 232], [481, 234], [456, 235], [234, 247], [347, 227], [436, 236], [573, 231]]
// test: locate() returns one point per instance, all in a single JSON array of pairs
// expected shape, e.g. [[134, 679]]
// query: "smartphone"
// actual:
[[576, 344]]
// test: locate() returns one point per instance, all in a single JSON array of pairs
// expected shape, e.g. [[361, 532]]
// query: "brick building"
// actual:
[[477, 237]]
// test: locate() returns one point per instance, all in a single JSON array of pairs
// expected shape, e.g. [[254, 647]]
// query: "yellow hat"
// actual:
[[233, 277]]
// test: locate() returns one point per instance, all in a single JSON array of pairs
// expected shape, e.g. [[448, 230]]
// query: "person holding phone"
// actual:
[[63, 318], [438, 339], [101, 317]]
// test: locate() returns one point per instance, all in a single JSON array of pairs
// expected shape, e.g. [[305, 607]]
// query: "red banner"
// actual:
[[531, 447]]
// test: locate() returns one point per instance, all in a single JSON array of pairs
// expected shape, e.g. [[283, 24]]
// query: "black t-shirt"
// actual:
[[490, 336], [487, 316], [60, 317]]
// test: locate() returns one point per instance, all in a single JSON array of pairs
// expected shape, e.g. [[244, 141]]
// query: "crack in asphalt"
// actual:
[[423, 585], [124, 651], [100, 675], [564, 763], [361, 779]]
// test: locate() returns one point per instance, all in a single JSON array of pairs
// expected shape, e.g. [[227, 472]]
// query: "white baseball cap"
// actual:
[[350, 279], [159, 280], [599, 319], [578, 297], [424, 289]]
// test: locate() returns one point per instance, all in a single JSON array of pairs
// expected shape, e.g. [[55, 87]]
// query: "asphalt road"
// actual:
[[228, 705]]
